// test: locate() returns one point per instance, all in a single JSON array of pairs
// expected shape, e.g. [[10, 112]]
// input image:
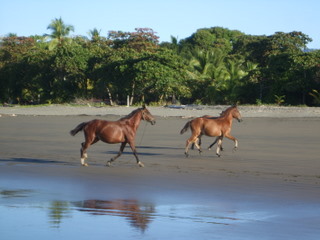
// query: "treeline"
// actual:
[[212, 66]]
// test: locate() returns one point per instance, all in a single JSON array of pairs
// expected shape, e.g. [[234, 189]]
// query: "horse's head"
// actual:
[[236, 114], [147, 116]]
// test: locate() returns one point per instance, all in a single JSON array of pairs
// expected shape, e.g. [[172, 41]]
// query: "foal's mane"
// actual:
[[225, 112]]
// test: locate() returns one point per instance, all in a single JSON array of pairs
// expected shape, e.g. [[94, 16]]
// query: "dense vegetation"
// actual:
[[212, 66]]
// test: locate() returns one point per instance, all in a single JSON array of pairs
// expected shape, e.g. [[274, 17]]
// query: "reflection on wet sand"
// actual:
[[58, 210], [139, 215], [15, 193], [227, 220]]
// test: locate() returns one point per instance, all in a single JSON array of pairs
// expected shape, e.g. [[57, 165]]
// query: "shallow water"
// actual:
[[31, 214]]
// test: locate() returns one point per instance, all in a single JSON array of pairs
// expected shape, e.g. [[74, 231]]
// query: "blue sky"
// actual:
[[179, 18]]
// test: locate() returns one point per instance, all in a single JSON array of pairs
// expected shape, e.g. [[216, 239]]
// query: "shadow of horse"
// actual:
[[146, 153], [30, 160]]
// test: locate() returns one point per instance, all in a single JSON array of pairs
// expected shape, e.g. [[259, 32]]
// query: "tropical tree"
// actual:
[[69, 70], [14, 67], [60, 32], [159, 76], [95, 35]]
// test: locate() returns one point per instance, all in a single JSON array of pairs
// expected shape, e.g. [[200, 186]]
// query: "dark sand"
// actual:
[[275, 171]]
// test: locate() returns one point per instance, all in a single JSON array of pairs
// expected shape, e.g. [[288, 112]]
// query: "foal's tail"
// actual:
[[78, 128], [185, 128]]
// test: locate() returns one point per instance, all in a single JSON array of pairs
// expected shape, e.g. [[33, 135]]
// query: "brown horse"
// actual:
[[213, 127], [122, 131], [215, 141]]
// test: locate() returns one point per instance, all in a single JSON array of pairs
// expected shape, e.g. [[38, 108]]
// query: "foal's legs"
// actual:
[[233, 139], [219, 145], [215, 141], [199, 143], [118, 155], [193, 139]]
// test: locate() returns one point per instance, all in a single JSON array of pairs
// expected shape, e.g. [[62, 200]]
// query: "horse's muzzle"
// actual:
[[153, 122], [240, 120]]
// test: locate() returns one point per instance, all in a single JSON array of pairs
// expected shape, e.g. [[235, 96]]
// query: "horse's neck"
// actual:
[[228, 118], [135, 120]]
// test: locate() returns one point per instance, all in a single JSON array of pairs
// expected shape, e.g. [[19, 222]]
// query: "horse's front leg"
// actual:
[[215, 141], [235, 141], [118, 155], [134, 151]]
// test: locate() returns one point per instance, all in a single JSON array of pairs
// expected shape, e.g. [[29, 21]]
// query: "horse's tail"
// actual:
[[185, 128], [78, 128]]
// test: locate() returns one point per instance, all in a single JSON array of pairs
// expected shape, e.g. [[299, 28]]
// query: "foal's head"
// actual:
[[147, 116], [236, 114]]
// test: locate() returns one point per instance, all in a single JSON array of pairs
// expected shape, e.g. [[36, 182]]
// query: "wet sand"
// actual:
[[275, 171]]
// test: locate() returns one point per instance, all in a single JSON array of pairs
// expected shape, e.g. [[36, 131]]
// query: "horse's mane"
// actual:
[[131, 114], [225, 112], [222, 114]]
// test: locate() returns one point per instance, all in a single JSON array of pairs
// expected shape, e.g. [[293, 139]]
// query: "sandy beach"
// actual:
[[270, 187], [185, 111]]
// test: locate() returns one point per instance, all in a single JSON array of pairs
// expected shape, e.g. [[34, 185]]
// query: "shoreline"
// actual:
[[188, 111], [269, 185]]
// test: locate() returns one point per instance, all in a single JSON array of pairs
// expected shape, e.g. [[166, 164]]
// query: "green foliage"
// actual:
[[279, 100], [212, 66], [259, 102], [59, 34], [316, 96]]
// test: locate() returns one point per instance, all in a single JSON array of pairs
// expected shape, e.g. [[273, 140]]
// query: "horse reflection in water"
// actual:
[[139, 215]]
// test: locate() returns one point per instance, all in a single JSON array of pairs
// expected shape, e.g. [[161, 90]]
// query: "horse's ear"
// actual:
[[235, 105]]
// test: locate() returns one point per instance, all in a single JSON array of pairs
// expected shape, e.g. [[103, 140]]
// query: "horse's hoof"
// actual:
[[140, 164], [85, 165], [186, 154], [218, 155], [108, 164], [235, 149], [209, 148]]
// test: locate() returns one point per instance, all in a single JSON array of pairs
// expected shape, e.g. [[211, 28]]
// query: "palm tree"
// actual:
[[201, 62], [95, 35], [59, 34]]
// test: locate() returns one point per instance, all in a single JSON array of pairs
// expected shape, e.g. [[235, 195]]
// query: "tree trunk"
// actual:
[[110, 96], [132, 93]]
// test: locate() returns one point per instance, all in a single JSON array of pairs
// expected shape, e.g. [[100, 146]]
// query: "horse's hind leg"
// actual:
[[83, 150], [118, 155], [192, 139], [83, 154], [219, 146], [199, 143]]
